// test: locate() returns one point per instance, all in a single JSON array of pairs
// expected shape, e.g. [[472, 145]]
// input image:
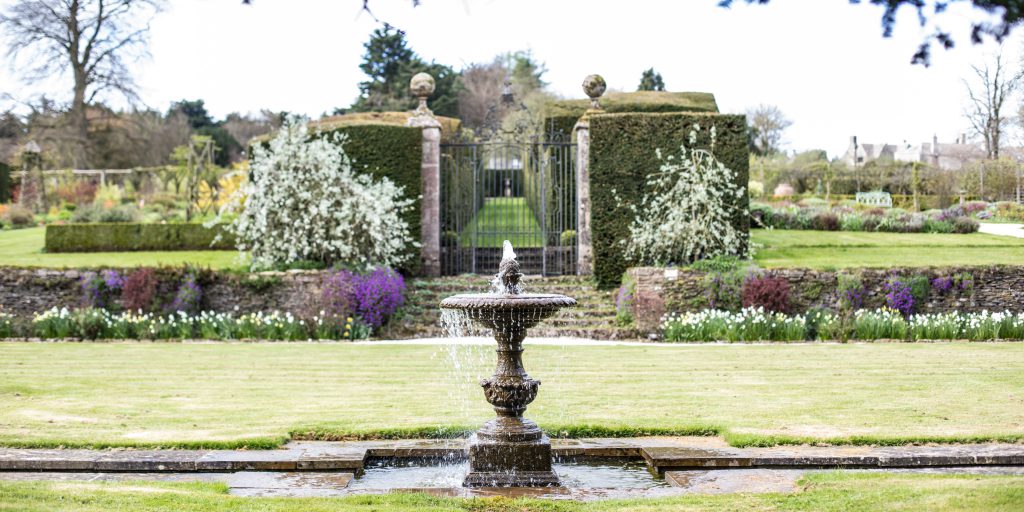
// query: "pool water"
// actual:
[[593, 474]]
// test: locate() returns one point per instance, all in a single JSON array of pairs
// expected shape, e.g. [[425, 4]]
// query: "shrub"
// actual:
[[898, 295], [79, 192], [688, 213], [965, 225], [723, 289], [937, 226], [974, 207], [18, 216], [851, 222], [851, 292], [783, 190], [964, 281], [373, 297], [306, 202], [768, 292], [336, 294], [99, 289], [942, 285], [919, 288], [624, 302], [139, 290], [378, 295], [120, 214], [189, 296], [761, 215], [826, 221], [86, 214]]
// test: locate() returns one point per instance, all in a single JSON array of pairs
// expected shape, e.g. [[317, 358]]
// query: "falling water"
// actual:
[[468, 361]]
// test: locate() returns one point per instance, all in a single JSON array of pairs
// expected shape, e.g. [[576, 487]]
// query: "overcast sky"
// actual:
[[823, 62]]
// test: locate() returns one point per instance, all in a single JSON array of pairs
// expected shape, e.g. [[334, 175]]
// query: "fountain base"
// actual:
[[507, 463]]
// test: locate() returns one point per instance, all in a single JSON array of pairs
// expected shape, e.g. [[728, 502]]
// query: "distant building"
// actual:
[[947, 156]]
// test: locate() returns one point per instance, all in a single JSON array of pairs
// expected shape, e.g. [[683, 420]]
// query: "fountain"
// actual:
[[509, 451]]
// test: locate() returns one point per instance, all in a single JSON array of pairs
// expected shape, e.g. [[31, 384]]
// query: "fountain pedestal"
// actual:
[[510, 450]]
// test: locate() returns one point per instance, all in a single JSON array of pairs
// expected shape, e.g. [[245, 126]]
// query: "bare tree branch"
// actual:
[[91, 40], [993, 85]]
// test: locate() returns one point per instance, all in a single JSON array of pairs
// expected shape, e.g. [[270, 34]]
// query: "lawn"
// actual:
[[840, 249], [24, 248], [231, 394], [835, 491], [500, 219]]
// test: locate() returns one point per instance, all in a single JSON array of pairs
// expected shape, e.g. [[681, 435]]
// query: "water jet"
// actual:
[[510, 450]]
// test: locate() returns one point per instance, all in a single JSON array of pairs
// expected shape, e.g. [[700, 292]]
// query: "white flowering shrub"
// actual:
[[306, 202], [688, 212]]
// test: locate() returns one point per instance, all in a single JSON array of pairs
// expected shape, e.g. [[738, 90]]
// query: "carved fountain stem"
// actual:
[[509, 450]]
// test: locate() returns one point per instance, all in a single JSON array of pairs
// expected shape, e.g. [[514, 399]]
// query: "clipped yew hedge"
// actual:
[[5, 183], [622, 154], [122, 237], [561, 117]]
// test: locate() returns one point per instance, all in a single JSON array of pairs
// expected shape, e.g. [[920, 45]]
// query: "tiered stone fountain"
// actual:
[[510, 450]]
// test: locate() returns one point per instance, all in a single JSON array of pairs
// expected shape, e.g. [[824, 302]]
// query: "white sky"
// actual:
[[823, 62]]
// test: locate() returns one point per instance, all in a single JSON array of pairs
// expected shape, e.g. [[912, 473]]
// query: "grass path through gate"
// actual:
[[503, 218]]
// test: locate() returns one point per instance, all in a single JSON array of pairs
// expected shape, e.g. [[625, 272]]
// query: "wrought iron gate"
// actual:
[[496, 191]]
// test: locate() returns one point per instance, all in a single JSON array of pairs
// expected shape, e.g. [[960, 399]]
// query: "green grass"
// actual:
[[840, 249], [205, 395], [24, 248], [834, 491], [503, 218]]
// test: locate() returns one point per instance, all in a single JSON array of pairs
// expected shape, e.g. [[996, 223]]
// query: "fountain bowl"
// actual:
[[501, 310]]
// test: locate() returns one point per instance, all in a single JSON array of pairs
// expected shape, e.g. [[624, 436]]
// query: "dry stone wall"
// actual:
[[24, 292]]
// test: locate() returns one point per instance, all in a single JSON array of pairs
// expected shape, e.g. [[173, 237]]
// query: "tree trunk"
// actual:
[[79, 121]]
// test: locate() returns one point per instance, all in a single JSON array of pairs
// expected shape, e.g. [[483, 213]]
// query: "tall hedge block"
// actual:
[[5, 183], [622, 155], [561, 116], [395, 152]]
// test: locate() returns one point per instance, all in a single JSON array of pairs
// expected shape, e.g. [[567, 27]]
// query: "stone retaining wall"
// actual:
[[659, 290], [25, 292]]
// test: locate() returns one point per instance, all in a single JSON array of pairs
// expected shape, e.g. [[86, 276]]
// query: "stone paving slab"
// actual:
[[662, 453], [736, 480]]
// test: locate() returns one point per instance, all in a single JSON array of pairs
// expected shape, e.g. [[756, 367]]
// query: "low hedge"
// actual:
[[136, 237], [622, 155]]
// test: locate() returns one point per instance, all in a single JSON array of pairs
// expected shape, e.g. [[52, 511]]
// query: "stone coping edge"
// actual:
[[666, 454]]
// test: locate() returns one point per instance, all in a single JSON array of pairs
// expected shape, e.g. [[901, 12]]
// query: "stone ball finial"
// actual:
[[421, 85], [594, 86]]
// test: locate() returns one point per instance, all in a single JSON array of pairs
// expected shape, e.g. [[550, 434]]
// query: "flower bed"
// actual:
[[851, 217], [100, 324], [757, 324]]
